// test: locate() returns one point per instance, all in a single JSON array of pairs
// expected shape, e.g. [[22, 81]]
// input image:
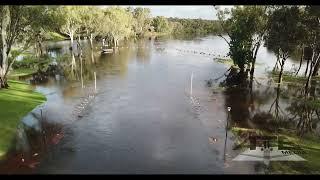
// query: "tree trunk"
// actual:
[[301, 59], [309, 76], [79, 46], [40, 48], [92, 57], [254, 60], [4, 48], [275, 68], [307, 67], [39, 45], [313, 88], [114, 42], [316, 68], [71, 39], [73, 62], [281, 69], [277, 107], [314, 60], [103, 42], [91, 41]]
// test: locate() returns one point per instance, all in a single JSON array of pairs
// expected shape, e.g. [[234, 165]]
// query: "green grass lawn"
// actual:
[[15, 103]]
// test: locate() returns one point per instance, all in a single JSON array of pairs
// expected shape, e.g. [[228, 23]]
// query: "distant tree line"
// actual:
[[194, 26]]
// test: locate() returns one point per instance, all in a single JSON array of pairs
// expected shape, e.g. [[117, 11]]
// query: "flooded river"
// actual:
[[143, 116]]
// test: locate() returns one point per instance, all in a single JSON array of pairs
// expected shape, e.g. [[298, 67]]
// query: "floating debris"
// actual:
[[212, 140]]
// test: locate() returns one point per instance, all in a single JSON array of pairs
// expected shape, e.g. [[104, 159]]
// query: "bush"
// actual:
[[31, 62], [28, 61]]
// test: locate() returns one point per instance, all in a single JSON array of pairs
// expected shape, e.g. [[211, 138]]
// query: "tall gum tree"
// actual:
[[245, 27], [68, 19], [121, 24], [142, 21], [92, 21], [282, 33], [16, 30]]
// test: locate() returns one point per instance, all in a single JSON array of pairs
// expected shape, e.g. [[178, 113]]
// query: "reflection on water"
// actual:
[[141, 119]]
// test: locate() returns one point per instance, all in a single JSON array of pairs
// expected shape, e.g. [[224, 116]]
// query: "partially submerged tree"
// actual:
[[41, 22], [245, 28], [92, 21], [142, 17], [68, 20], [120, 24], [282, 33], [312, 24]]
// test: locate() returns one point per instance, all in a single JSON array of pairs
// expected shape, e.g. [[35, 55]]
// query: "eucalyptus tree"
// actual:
[[19, 24], [92, 21], [120, 23], [142, 17], [245, 27], [282, 33], [68, 20], [5, 47], [312, 24], [41, 22]]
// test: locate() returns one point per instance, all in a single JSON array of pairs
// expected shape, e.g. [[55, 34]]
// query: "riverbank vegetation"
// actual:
[[284, 30]]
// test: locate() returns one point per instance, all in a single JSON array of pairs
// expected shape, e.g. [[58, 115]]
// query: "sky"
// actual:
[[190, 12]]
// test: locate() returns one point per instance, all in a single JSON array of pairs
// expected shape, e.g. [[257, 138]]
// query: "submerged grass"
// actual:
[[15, 103], [290, 78], [224, 61], [228, 61]]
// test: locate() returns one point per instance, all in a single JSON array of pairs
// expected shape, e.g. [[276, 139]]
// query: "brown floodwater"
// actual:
[[142, 117]]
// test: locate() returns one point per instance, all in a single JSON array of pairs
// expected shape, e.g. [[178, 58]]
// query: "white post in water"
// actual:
[[191, 84], [82, 86], [95, 81]]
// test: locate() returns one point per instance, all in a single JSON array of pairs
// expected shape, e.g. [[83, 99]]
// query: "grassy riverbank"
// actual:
[[15, 103]]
